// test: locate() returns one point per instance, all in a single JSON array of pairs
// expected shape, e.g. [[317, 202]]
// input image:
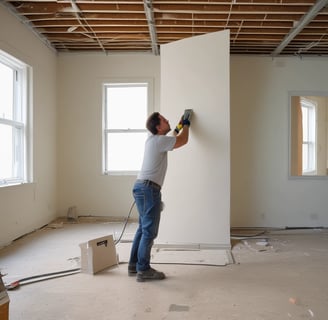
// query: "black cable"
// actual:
[[52, 275], [42, 277], [190, 264], [174, 263], [125, 224]]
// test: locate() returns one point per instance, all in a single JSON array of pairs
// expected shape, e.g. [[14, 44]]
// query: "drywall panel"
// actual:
[[196, 192]]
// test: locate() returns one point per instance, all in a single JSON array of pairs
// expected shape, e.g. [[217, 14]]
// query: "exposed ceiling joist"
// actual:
[[306, 19], [151, 24], [257, 27]]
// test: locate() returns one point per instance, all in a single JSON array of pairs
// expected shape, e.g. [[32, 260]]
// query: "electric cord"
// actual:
[[125, 224], [190, 264], [52, 275], [167, 263], [41, 277]]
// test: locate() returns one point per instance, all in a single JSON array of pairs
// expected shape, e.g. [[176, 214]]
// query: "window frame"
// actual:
[[22, 102], [106, 131], [311, 142]]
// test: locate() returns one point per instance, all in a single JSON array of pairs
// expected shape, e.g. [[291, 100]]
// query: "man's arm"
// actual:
[[182, 137]]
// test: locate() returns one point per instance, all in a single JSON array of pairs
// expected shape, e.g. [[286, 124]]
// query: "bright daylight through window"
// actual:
[[126, 106], [15, 110]]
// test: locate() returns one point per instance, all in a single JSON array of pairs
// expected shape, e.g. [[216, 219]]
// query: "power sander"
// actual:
[[186, 116]]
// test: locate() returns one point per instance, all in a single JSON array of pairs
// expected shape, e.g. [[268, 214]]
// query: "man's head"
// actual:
[[157, 124]]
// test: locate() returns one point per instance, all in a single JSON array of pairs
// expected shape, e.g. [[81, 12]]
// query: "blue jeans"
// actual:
[[148, 201]]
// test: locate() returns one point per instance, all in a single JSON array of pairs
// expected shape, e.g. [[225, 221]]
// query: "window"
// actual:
[[126, 107], [309, 136], [14, 121]]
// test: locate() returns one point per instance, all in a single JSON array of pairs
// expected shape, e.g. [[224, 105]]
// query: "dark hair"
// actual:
[[152, 122]]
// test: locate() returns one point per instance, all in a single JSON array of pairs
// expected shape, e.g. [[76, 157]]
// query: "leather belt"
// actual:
[[150, 183]]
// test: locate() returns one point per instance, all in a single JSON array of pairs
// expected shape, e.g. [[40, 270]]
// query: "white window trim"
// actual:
[[150, 83], [307, 103]]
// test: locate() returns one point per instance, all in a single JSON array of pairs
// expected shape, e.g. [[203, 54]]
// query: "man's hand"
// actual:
[[186, 122], [183, 122], [179, 126]]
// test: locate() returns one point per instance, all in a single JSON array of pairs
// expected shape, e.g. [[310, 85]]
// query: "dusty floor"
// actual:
[[281, 274]]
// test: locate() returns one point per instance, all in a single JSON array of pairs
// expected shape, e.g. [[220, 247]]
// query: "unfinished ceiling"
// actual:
[[257, 27]]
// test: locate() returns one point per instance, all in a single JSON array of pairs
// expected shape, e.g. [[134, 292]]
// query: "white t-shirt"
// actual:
[[155, 158]]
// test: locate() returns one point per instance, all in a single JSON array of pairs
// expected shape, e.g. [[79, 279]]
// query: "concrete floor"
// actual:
[[282, 275]]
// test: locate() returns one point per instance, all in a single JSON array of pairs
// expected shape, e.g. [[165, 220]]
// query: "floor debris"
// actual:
[[292, 300], [311, 313], [256, 245], [178, 308], [282, 282]]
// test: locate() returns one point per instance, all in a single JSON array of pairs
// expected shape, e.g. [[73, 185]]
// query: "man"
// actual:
[[147, 192]]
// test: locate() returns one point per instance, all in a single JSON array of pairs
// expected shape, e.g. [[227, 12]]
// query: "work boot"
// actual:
[[132, 270], [150, 274]]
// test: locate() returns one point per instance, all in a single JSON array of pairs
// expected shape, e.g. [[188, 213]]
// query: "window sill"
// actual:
[[13, 184], [120, 173]]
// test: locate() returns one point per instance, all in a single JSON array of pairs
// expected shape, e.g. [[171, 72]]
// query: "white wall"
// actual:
[[81, 182], [322, 132], [26, 207], [261, 192]]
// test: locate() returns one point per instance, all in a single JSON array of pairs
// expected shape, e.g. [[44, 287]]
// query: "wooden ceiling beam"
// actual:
[[171, 2], [232, 7], [96, 16], [93, 23], [41, 7], [96, 30], [256, 26]]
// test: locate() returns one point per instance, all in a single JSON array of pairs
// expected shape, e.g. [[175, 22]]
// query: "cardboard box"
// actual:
[[4, 301], [98, 254]]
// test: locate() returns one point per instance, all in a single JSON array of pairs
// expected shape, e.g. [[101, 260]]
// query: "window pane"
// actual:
[[6, 148], [18, 153], [125, 151], [305, 122], [11, 146], [311, 157], [305, 153], [6, 92], [127, 106]]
